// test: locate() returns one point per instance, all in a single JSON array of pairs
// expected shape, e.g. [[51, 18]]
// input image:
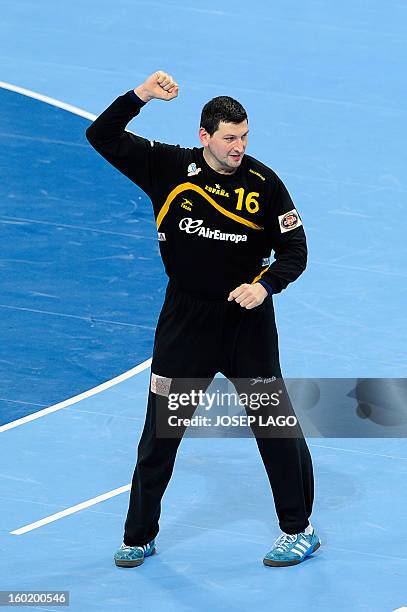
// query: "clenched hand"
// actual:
[[248, 296], [159, 85]]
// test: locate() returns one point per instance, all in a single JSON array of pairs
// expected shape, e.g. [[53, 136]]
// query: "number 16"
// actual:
[[252, 205]]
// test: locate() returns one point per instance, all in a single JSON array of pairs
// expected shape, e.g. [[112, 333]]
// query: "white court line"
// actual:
[[52, 101], [37, 96], [360, 452], [88, 318], [77, 398], [71, 510]]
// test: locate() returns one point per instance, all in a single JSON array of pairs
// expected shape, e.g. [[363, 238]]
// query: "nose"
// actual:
[[239, 146]]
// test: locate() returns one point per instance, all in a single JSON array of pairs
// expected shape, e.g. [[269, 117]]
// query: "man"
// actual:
[[219, 213]]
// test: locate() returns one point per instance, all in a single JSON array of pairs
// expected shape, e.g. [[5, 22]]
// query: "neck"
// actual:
[[214, 164]]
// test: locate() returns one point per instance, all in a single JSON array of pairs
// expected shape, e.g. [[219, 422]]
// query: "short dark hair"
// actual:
[[222, 108]]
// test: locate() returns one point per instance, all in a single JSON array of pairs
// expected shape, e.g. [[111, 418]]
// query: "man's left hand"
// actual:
[[248, 296]]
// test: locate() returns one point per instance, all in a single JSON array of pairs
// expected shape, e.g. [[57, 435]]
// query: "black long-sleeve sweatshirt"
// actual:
[[215, 231]]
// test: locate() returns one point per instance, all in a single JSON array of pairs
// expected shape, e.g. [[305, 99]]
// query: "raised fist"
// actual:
[[159, 85]]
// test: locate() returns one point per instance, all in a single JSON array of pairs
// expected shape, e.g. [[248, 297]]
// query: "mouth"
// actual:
[[236, 157]]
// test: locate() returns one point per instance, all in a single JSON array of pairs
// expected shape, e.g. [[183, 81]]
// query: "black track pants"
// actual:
[[197, 338]]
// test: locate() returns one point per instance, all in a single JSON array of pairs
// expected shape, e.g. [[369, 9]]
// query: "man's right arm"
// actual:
[[130, 154]]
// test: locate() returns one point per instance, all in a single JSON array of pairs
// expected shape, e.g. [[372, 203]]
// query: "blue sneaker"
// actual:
[[130, 556], [292, 549]]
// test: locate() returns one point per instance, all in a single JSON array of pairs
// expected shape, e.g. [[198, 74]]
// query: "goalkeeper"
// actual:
[[219, 214]]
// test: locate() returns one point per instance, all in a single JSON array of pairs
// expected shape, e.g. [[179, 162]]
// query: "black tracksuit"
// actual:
[[215, 232]]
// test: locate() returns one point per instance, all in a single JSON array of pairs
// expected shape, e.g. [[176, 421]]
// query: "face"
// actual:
[[224, 150]]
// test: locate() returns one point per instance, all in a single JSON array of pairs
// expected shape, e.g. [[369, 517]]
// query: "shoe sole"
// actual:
[[294, 562], [135, 563]]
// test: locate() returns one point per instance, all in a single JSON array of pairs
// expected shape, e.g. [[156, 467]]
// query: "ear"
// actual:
[[204, 136]]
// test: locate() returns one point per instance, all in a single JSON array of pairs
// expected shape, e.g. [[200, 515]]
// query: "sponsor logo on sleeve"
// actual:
[[289, 221], [161, 237]]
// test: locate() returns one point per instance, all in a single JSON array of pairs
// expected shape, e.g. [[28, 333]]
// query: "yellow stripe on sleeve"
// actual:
[[259, 276]]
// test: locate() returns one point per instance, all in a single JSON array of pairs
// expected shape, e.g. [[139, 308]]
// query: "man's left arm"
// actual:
[[287, 239]]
